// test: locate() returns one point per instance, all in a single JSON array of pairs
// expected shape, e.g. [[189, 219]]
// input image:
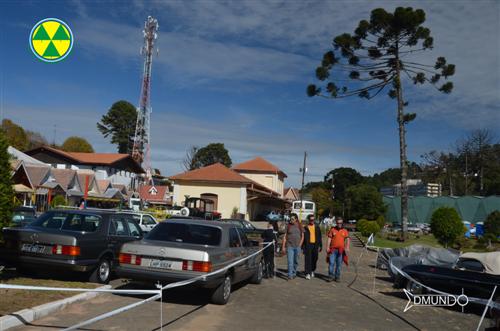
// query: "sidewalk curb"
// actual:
[[25, 316]]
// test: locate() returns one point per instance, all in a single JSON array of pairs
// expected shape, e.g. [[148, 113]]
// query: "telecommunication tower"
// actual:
[[141, 151]]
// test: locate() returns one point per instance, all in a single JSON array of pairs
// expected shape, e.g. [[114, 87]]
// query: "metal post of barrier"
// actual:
[[375, 274], [486, 308]]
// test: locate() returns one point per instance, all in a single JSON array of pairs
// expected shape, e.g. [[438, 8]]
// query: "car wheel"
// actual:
[[222, 293], [102, 273], [257, 276], [414, 288]]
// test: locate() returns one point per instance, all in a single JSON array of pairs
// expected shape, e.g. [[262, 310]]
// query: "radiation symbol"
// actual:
[[51, 40]]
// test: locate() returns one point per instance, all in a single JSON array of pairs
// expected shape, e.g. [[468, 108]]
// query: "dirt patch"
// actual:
[[15, 300]]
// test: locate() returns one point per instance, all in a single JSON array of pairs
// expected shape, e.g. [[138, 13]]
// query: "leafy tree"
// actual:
[[342, 179], [492, 224], [210, 154], [377, 56], [119, 123], [15, 135], [446, 225], [77, 144], [323, 200], [6, 191], [364, 201]]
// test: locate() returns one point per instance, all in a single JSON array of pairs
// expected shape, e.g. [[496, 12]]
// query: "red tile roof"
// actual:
[[259, 165], [160, 196], [89, 158], [213, 173]]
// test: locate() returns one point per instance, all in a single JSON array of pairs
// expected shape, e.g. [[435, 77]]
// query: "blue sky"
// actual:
[[236, 72]]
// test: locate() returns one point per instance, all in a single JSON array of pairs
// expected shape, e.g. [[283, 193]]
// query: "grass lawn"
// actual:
[[427, 239], [15, 300]]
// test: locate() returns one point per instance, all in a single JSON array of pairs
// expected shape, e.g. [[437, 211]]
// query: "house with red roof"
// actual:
[[231, 191], [155, 195], [263, 172], [114, 167]]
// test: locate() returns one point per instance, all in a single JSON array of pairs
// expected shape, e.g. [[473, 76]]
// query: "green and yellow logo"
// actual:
[[51, 40]]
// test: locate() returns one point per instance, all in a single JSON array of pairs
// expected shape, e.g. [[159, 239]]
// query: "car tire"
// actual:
[[258, 274], [222, 293], [102, 273]]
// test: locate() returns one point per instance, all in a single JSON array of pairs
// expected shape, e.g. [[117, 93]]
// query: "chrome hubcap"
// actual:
[[227, 287], [104, 270]]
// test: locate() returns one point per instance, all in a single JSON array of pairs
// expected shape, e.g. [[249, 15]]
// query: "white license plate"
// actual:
[[164, 264], [32, 248]]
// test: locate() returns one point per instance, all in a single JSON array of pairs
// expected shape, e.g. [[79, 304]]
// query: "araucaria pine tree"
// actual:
[[378, 57], [6, 191]]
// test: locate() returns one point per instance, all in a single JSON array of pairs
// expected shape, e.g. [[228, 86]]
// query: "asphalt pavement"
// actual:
[[363, 300]]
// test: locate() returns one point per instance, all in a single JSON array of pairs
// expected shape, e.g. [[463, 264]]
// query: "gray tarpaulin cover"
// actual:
[[415, 254]]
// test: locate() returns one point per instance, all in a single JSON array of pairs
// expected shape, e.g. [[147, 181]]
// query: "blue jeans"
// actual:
[[335, 264], [292, 254]]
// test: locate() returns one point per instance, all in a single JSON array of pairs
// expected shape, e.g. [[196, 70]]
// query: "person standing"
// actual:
[[312, 244], [293, 239], [338, 245], [269, 236]]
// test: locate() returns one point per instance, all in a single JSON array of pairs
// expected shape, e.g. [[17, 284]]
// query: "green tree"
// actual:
[[14, 134], [323, 200], [367, 227], [77, 144], [379, 55], [58, 200], [364, 201], [6, 191], [343, 178], [492, 224], [210, 154], [446, 225], [119, 123]]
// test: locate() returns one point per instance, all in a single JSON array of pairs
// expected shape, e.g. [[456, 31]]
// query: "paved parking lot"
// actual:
[[356, 303]]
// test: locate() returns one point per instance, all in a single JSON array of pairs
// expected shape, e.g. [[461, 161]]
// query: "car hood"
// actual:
[[490, 261]]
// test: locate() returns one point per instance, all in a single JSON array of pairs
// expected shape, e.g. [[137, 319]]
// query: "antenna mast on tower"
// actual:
[[141, 151]]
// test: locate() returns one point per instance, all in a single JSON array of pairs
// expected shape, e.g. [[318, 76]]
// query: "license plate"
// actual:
[[32, 248], [164, 264]]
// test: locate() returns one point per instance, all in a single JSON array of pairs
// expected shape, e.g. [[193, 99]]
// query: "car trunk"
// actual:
[[32, 241], [170, 250]]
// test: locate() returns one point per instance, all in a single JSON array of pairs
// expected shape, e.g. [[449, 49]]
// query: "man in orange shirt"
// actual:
[[338, 245]]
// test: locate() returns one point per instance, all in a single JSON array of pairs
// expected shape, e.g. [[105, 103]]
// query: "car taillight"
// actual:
[[66, 250], [197, 266], [129, 259]]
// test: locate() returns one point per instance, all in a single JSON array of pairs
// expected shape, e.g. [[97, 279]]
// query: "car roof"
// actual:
[[86, 211], [199, 222]]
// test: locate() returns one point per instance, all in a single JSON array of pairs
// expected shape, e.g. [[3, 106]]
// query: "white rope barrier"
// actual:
[[160, 291], [67, 289]]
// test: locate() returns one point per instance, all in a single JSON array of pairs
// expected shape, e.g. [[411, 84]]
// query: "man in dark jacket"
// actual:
[[269, 236], [312, 244]]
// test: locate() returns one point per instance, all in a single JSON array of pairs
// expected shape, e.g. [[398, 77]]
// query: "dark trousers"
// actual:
[[311, 257], [269, 261]]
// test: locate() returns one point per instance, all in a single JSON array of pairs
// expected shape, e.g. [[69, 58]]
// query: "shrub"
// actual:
[[492, 224], [369, 227], [381, 221], [360, 224], [58, 200], [446, 225]]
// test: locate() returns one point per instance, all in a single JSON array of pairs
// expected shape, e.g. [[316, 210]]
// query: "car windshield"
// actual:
[[68, 221], [186, 233]]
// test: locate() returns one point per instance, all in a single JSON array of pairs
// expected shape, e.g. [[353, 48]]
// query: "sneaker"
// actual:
[[312, 274], [308, 276], [330, 279]]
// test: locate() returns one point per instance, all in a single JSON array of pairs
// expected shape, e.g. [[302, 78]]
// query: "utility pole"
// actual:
[[303, 170]]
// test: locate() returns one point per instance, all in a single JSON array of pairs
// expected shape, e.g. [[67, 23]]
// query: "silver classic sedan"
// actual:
[[181, 249]]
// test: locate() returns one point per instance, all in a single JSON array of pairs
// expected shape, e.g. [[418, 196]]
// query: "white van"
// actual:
[[302, 211]]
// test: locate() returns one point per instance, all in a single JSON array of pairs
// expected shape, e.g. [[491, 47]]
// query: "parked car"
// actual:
[[146, 221], [273, 216], [350, 225], [71, 240], [252, 232], [23, 216], [181, 249], [476, 274]]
